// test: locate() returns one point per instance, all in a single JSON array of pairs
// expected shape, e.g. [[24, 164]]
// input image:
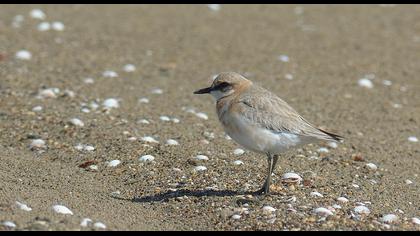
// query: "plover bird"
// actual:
[[259, 120]]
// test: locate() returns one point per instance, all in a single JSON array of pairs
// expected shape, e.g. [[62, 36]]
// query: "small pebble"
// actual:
[[413, 139], [146, 158], [99, 225], [342, 200], [407, 181], [85, 222], [389, 218], [269, 209], [336, 206], [202, 115], [109, 74], [37, 144], [324, 150], [238, 151], [371, 166], [143, 121], [37, 14], [238, 162], [129, 68], [93, 167], [114, 163], [236, 217], [164, 118], [316, 194], [157, 91], [291, 178], [175, 120], [44, 26], [23, 55], [288, 76], [283, 58], [323, 212], [387, 82], [149, 139], [172, 142], [362, 210], [333, 144], [202, 158], [200, 168], [62, 210], [365, 83], [89, 81], [143, 100], [111, 103], [23, 206], [9, 224], [57, 26], [77, 122], [37, 108]]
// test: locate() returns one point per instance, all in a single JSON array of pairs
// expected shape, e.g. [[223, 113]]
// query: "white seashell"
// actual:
[[236, 217], [88, 148], [111, 103], [114, 163], [77, 122], [371, 166], [44, 26], [283, 58], [396, 105], [316, 194], [389, 218], [146, 158], [227, 137], [269, 209], [365, 83], [238, 162], [18, 18], [9, 224], [132, 139], [37, 108], [387, 82], [109, 74], [85, 222], [415, 220], [407, 181], [175, 120], [129, 68], [325, 150], [89, 81], [323, 212], [355, 186], [200, 168], [336, 206], [214, 7], [291, 178], [94, 105], [333, 144], [23, 55], [58, 26], [202, 158], [37, 144], [37, 14], [23, 206], [164, 118], [362, 210], [143, 100], [342, 200], [143, 121], [99, 225], [149, 139], [85, 110], [172, 142], [413, 139], [238, 152], [202, 115], [48, 93], [157, 91], [288, 76], [62, 210], [93, 167]]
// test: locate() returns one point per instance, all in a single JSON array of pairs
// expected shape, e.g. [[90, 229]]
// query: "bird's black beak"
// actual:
[[203, 91]]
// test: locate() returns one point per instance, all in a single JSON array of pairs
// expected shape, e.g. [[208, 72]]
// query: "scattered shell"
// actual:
[[164, 118], [415, 220], [9, 224], [149, 139], [386, 82], [129, 68], [389, 218], [37, 108], [362, 210], [146, 158], [202, 158], [407, 181], [371, 166], [342, 199], [236, 217], [44, 26], [238, 162], [58, 26], [214, 7], [143, 121], [200, 168], [89, 80], [336, 206], [62, 210], [288, 76], [93, 167], [316, 194], [365, 83], [48, 93], [172, 142], [413, 139], [143, 100], [99, 225], [323, 212], [291, 178], [157, 91], [114, 163], [324, 150], [77, 122], [238, 152], [227, 137], [82, 147], [332, 144], [109, 74], [111, 103], [269, 209], [23, 55], [37, 144], [202, 115], [23, 206], [37, 14], [283, 58], [175, 120], [85, 222]]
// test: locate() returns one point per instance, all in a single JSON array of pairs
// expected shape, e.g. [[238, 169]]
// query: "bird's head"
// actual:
[[225, 84]]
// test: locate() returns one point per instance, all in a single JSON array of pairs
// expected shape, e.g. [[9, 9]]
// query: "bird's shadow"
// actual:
[[165, 196]]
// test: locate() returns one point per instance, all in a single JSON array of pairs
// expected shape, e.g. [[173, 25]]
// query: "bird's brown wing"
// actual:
[[269, 111]]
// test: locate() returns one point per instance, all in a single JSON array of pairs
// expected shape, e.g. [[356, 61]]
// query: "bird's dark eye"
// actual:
[[224, 86]]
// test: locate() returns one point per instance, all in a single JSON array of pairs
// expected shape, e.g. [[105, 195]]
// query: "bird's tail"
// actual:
[[332, 137]]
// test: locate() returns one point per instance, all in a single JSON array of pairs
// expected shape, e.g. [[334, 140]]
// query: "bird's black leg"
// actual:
[[275, 159], [266, 187]]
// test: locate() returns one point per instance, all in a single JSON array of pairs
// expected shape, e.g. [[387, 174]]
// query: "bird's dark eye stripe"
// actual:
[[221, 85]]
